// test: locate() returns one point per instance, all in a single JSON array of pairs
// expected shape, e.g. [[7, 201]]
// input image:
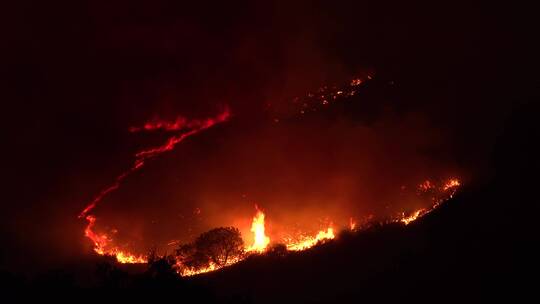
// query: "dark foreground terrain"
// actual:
[[478, 244]]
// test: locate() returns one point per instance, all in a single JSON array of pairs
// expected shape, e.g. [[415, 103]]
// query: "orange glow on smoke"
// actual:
[[261, 241]]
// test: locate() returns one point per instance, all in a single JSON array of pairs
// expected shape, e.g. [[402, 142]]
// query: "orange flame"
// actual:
[[307, 242], [261, 241], [413, 217], [142, 156], [352, 224], [446, 191], [186, 272], [451, 183], [102, 245]]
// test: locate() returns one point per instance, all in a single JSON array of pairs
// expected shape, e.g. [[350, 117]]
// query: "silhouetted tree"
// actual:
[[218, 246], [188, 256]]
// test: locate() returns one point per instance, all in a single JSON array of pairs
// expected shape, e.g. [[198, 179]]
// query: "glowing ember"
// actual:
[[186, 272], [426, 186], [103, 243], [261, 241], [356, 82], [450, 184]]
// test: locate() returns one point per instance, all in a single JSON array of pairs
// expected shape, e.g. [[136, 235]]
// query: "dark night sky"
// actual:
[[77, 75]]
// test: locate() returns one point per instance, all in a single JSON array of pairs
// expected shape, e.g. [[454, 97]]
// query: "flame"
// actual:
[[451, 184], [356, 82], [186, 128], [413, 217], [447, 191], [102, 245], [307, 242], [261, 241], [186, 272], [189, 128], [352, 224]]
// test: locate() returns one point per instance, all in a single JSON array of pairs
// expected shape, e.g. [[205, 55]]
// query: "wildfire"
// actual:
[[451, 184], [103, 245], [182, 128], [188, 129], [326, 95], [446, 191], [413, 217], [185, 128], [304, 242], [352, 224], [187, 272], [261, 241], [307, 242], [356, 82]]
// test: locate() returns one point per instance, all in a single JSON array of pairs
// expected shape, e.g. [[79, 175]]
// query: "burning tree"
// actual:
[[215, 248]]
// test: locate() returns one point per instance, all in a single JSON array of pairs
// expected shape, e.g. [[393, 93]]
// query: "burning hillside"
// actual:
[[190, 262], [269, 151], [194, 258]]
